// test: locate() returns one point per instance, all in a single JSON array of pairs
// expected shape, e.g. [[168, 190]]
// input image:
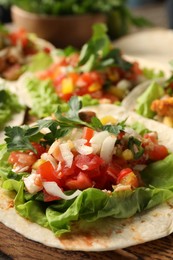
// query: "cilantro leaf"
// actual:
[[135, 146], [17, 139]]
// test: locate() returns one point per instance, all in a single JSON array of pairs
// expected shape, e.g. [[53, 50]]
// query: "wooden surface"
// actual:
[[19, 248]]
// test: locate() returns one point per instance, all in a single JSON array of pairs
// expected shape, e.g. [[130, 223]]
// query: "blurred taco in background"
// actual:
[[153, 100], [98, 73], [17, 49]]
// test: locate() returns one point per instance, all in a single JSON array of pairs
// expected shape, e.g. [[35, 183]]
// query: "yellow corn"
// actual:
[[168, 121], [70, 144], [108, 120], [67, 86], [113, 76], [94, 87], [118, 92], [127, 155], [37, 164]]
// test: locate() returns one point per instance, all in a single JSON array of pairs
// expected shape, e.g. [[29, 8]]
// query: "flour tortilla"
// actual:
[[115, 234], [97, 236], [129, 102], [152, 44]]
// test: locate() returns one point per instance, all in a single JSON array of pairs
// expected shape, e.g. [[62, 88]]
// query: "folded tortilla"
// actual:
[[102, 235], [153, 44]]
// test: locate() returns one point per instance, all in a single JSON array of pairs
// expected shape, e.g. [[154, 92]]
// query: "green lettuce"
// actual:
[[9, 105], [152, 74], [43, 96], [39, 62], [143, 106], [93, 204]]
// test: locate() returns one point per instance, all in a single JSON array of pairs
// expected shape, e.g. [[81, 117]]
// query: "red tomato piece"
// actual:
[[47, 197], [65, 171], [88, 134], [39, 148], [113, 170], [82, 181], [158, 152], [88, 162], [47, 172], [19, 36], [22, 159], [152, 137], [127, 177]]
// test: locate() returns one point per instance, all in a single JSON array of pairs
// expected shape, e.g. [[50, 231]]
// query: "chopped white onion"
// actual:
[[139, 167], [81, 148], [53, 189], [97, 140], [108, 148], [53, 147], [30, 183], [48, 157], [66, 154]]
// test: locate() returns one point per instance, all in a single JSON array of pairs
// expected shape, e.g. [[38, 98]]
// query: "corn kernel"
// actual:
[[70, 144], [67, 86], [168, 121], [118, 92], [37, 164], [113, 76], [108, 120], [94, 87], [127, 155]]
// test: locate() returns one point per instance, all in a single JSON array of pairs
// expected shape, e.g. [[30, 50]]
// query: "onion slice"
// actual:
[[53, 189]]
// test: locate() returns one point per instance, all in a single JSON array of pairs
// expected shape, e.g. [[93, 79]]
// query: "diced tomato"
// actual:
[[88, 134], [46, 50], [47, 197], [65, 171], [111, 97], [86, 80], [22, 159], [88, 162], [152, 137], [158, 152], [119, 161], [134, 72], [73, 59], [120, 135], [127, 177], [19, 36], [47, 172], [113, 170], [82, 181], [39, 148]]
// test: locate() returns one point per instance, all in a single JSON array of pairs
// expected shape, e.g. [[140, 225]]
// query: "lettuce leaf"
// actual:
[[39, 62], [9, 105], [143, 107], [43, 96]]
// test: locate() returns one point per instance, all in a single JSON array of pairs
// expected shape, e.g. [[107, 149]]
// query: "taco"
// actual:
[[153, 100], [73, 177], [17, 51], [98, 73]]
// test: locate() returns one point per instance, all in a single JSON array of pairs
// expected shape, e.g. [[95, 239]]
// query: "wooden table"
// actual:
[[19, 248]]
